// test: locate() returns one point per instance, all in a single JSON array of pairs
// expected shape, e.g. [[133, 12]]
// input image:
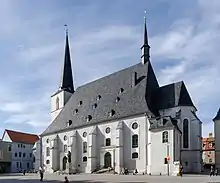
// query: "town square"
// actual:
[[110, 91]]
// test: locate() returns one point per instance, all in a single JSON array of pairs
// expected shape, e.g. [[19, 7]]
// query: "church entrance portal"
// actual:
[[108, 160], [64, 162]]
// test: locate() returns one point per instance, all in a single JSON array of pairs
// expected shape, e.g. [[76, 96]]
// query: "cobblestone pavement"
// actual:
[[87, 178]]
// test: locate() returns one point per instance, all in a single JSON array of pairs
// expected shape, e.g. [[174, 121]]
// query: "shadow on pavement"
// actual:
[[59, 181]]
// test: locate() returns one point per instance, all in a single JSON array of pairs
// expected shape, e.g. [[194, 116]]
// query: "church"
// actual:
[[123, 120]]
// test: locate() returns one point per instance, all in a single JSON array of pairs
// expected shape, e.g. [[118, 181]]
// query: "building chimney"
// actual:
[[134, 79]]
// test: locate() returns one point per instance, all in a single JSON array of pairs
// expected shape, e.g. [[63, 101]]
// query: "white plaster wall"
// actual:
[[28, 159], [159, 152], [191, 155], [63, 98], [37, 155]]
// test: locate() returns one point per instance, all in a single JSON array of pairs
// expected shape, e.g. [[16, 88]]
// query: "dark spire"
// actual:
[[145, 49], [67, 77]]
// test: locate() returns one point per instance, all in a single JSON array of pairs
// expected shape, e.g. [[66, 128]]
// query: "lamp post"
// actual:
[[168, 158]]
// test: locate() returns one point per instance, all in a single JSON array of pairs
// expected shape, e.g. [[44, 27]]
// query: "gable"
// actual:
[[6, 137], [172, 95], [132, 100]]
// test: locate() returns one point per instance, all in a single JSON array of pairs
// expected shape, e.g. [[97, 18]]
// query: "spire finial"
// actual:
[[66, 29], [145, 15]]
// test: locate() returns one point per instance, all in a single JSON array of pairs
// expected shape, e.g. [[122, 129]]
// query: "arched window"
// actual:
[[134, 141], [48, 162], [185, 133], [84, 159], [134, 155], [57, 103], [48, 151], [108, 142], [65, 148], [84, 147], [165, 137]]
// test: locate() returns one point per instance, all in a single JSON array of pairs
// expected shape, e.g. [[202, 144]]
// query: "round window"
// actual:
[[107, 130], [84, 134], [47, 140], [65, 137], [134, 125]]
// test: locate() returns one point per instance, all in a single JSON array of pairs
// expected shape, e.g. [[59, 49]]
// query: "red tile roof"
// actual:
[[22, 137]]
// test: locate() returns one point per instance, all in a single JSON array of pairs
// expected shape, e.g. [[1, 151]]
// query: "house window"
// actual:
[[47, 140], [20, 164], [70, 122], [28, 165], [30, 155], [16, 154], [117, 99], [185, 133], [65, 148], [165, 137], [18, 145], [84, 147], [108, 142], [94, 106], [88, 118], [134, 125], [134, 141], [48, 151], [48, 162], [23, 146], [98, 97], [24, 155], [17, 164], [134, 155], [76, 111], [9, 148], [34, 159], [19, 154], [57, 103], [121, 90], [84, 159]]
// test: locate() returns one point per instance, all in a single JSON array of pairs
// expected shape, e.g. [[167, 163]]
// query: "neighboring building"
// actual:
[[208, 150], [124, 120], [22, 144], [5, 156], [216, 120]]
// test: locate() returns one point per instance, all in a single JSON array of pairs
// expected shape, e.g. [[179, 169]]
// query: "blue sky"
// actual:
[[105, 36]]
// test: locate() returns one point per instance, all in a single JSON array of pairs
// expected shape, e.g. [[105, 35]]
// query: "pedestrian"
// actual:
[[212, 171], [41, 174], [181, 170], [24, 171], [216, 171], [66, 180]]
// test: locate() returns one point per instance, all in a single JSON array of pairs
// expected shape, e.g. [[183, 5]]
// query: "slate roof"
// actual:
[[163, 122], [21, 137], [172, 95], [132, 101], [217, 117]]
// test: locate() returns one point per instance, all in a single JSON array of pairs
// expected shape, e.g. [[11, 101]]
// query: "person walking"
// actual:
[[66, 179], [212, 171], [41, 174]]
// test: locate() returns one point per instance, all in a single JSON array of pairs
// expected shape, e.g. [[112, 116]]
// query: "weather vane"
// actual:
[[66, 28]]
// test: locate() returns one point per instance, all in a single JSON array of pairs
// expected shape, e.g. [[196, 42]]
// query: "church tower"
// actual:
[[66, 89]]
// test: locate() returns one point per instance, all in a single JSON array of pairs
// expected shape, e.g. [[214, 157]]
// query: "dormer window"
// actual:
[[112, 112], [88, 118], [117, 99], [94, 106], [76, 111], [80, 102], [70, 122], [98, 97], [121, 90]]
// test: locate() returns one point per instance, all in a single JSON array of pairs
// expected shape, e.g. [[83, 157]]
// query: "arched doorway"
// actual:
[[64, 162], [107, 160]]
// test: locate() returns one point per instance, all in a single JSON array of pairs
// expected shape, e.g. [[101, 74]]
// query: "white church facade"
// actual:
[[124, 120]]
